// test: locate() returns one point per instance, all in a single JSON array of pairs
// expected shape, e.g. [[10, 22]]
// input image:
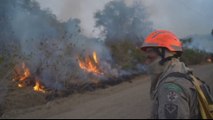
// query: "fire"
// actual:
[[38, 87], [90, 64], [26, 72], [95, 57], [24, 75]]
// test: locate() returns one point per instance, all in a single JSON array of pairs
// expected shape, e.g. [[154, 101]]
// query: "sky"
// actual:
[[183, 17]]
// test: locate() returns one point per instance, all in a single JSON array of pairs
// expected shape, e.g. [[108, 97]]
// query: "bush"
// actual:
[[194, 56], [126, 54]]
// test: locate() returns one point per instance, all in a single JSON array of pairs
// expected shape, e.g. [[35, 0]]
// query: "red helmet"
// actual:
[[163, 38]]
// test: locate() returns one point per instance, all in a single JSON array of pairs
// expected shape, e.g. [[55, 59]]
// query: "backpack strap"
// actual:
[[194, 80], [205, 98]]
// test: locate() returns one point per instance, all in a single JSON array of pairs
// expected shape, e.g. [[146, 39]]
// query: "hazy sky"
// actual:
[[184, 17]]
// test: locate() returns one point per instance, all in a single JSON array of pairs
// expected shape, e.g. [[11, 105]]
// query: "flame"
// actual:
[[26, 72], [38, 87], [95, 57], [90, 64], [22, 77]]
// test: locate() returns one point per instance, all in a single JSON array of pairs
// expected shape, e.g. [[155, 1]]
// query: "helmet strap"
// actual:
[[162, 52]]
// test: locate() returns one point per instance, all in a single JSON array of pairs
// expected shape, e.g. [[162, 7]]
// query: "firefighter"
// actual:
[[172, 97]]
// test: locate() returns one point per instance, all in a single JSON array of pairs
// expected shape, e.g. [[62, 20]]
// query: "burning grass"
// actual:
[[90, 64], [38, 87], [23, 78], [27, 89]]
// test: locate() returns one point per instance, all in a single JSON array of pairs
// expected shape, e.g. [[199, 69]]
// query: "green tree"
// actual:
[[121, 22]]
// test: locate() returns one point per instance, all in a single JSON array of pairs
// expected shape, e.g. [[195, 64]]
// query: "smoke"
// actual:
[[83, 10], [180, 16], [49, 47], [202, 42], [44, 44]]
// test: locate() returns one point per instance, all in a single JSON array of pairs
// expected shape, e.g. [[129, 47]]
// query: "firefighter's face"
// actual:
[[151, 56]]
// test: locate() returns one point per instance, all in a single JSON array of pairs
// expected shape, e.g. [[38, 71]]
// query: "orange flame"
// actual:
[[38, 87], [23, 75], [21, 78], [26, 72], [95, 57], [90, 64]]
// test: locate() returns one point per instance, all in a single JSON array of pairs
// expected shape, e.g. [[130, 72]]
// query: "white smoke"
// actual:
[[183, 17], [202, 42], [49, 47], [46, 44], [81, 9]]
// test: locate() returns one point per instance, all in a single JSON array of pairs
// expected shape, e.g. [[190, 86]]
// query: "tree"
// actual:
[[186, 41], [120, 21]]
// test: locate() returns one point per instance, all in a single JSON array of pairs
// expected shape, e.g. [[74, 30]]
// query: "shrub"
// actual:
[[126, 54]]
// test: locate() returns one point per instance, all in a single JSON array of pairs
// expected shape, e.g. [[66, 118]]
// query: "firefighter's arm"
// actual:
[[173, 102]]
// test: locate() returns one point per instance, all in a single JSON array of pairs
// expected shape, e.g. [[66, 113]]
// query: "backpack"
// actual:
[[205, 98]]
